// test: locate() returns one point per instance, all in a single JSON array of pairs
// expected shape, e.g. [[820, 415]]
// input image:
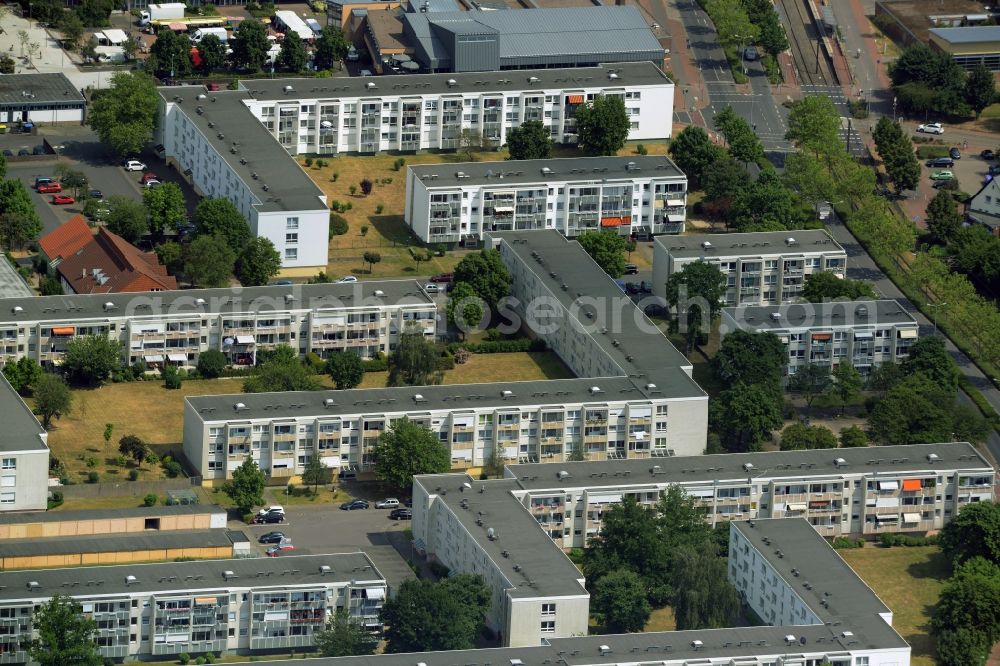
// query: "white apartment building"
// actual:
[[430, 111], [212, 140], [633, 396], [793, 579], [761, 268], [862, 333], [158, 611], [629, 195], [537, 593], [857, 492], [174, 327], [24, 455]]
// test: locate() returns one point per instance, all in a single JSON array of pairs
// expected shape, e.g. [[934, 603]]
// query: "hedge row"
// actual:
[[500, 346], [889, 540]]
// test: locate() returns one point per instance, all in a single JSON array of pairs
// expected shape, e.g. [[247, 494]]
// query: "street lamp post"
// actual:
[[934, 314]]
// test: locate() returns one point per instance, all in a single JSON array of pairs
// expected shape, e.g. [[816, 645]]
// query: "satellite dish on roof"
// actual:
[[228, 341]]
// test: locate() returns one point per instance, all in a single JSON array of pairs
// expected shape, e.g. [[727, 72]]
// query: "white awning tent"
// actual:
[[375, 593], [153, 358], [908, 333], [700, 493], [795, 506], [177, 358], [888, 485], [864, 335], [911, 518], [244, 339], [111, 37]]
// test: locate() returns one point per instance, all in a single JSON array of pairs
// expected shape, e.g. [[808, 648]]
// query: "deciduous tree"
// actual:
[[826, 286], [602, 125], [530, 140], [23, 374], [929, 356], [606, 248], [52, 398], [371, 258], [280, 373], [814, 125], [486, 273], [749, 358], [212, 52], [246, 488], [407, 449], [847, 383], [943, 219], [331, 47], [620, 600], [703, 598], [127, 218], [427, 616], [292, 56], [133, 447], [344, 636], [745, 415], [414, 361], [315, 473], [853, 437], [220, 216], [693, 151], [732, 23], [250, 46], [124, 115], [465, 309], [980, 89], [810, 381], [699, 284], [974, 532], [64, 635], [798, 437], [346, 369], [170, 55], [209, 261], [258, 263], [165, 208], [90, 359], [211, 363]]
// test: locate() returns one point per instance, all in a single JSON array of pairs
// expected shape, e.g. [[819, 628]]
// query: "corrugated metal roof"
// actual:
[[969, 34]]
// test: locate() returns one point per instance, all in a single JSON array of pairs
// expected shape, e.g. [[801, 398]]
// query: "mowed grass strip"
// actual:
[[156, 415], [909, 581]]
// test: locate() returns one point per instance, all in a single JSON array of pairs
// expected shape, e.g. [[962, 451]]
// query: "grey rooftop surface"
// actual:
[[40, 88], [630, 74], [545, 32], [814, 570], [19, 429], [618, 326], [12, 285], [183, 576], [109, 543], [969, 34], [753, 244], [543, 569], [237, 300], [835, 314], [522, 172], [109, 514], [225, 115], [726, 469]]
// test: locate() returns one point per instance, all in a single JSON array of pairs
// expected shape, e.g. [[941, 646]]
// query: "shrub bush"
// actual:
[[171, 378], [149, 500], [173, 469], [184, 657], [641, 150], [930, 152], [844, 542], [379, 208], [93, 477], [91, 461], [398, 164], [309, 161], [133, 475], [338, 225], [888, 540], [199, 660], [315, 363], [379, 363], [500, 346], [209, 658]]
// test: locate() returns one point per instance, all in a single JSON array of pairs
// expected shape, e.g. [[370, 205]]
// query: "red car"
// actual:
[[49, 188], [148, 176], [61, 199], [443, 277], [277, 549]]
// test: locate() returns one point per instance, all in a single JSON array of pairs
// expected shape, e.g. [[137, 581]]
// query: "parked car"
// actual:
[[931, 128], [366, 72], [354, 504], [750, 53], [95, 194], [443, 277], [38, 150], [401, 514], [939, 162], [62, 199], [955, 154], [347, 279], [631, 288], [942, 175], [277, 549], [49, 188], [654, 310], [988, 154], [631, 269], [269, 518], [387, 503], [994, 169], [432, 288], [152, 184], [24, 152], [133, 165], [7, 152], [645, 287], [272, 537], [148, 176], [274, 508], [408, 503], [938, 184]]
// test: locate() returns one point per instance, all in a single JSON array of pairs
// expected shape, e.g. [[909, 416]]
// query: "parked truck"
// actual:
[[202, 33], [170, 10]]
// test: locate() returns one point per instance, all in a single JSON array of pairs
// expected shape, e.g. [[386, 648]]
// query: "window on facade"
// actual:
[[291, 238], [548, 626], [548, 609], [291, 253], [6, 498], [292, 223], [9, 463]]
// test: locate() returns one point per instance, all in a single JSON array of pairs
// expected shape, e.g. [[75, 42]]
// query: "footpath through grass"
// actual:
[[909, 581]]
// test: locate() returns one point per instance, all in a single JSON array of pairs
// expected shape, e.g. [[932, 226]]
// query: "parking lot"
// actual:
[[79, 149], [325, 528]]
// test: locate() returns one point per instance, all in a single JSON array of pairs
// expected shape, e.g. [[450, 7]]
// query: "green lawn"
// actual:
[[909, 581]]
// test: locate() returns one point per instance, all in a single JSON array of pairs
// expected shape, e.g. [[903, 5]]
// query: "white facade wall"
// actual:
[[394, 120], [854, 503], [449, 213], [50, 116], [218, 442], [188, 334], [211, 176], [755, 277], [24, 477]]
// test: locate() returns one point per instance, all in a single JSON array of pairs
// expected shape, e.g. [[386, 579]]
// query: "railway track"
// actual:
[[803, 37]]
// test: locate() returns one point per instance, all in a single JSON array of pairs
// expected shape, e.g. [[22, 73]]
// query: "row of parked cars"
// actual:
[[400, 510]]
